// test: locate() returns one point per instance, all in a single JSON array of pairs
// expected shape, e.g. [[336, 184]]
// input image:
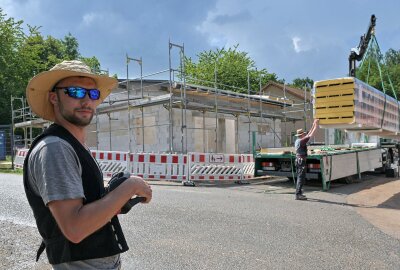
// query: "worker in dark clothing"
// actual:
[[301, 156]]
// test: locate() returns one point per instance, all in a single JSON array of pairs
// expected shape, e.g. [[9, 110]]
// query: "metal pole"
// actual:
[[305, 113], [109, 129], [216, 105], [284, 110], [12, 133], [274, 133], [204, 132], [184, 91], [237, 135], [24, 119], [170, 102], [248, 107], [182, 105], [97, 130], [129, 105], [261, 115], [171, 120], [141, 89], [140, 62]]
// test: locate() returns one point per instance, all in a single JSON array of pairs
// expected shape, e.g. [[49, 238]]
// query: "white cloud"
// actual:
[[301, 44], [297, 44], [97, 20], [89, 18]]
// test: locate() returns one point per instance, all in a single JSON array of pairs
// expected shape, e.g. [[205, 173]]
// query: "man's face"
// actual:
[[76, 111]]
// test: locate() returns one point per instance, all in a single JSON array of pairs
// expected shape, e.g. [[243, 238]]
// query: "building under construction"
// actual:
[[152, 115]]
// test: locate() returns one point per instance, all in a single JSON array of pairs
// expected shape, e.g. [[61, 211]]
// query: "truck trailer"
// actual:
[[324, 163]]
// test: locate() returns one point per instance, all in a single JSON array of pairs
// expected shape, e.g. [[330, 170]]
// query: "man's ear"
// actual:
[[53, 98]]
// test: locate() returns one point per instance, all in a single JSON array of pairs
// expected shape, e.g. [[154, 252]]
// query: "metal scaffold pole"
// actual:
[[171, 119], [216, 105], [284, 110], [248, 107], [261, 114], [140, 62], [129, 104], [182, 96]]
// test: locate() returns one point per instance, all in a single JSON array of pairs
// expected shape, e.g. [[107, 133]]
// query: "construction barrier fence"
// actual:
[[185, 168]]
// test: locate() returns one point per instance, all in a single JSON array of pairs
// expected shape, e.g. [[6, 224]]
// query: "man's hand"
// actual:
[[140, 188], [77, 220]]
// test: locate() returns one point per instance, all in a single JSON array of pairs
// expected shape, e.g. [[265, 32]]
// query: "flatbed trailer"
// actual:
[[326, 166]]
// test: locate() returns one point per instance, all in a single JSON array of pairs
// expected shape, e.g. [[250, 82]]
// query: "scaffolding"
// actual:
[[143, 93]]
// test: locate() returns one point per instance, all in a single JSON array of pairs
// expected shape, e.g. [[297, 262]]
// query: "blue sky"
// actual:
[[290, 38]]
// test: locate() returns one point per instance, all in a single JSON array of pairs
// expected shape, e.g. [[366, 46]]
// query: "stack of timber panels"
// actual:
[[348, 103]]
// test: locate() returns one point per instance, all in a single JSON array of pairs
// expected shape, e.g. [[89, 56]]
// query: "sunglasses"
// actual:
[[80, 92]]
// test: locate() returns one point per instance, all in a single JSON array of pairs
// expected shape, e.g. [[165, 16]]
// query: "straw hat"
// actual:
[[300, 132], [39, 86]]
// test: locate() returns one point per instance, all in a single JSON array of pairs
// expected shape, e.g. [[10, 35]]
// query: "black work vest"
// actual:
[[301, 151], [107, 241]]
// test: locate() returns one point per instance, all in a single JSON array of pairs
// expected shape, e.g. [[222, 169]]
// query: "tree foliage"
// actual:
[[384, 76], [231, 69], [23, 55], [302, 83]]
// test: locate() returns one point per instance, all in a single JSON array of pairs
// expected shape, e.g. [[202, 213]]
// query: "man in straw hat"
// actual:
[[301, 156], [63, 183]]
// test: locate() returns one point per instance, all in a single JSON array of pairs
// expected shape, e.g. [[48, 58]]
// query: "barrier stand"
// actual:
[[188, 181]]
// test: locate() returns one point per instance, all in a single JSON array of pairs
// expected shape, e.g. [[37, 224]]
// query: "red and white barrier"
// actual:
[[20, 157], [154, 166], [216, 167], [111, 162], [171, 167], [248, 166]]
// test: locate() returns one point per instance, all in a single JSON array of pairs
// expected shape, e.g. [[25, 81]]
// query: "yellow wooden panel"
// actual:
[[333, 82], [330, 104], [321, 114], [336, 98], [334, 110], [334, 88], [340, 92], [336, 121]]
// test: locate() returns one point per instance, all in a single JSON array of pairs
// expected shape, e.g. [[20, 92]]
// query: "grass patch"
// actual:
[[9, 170]]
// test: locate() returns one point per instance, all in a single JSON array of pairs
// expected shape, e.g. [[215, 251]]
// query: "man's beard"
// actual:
[[75, 120]]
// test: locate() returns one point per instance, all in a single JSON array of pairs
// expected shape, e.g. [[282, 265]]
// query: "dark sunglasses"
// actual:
[[80, 92]]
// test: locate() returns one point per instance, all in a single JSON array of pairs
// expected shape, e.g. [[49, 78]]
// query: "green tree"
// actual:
[[302, 83], [71, 46], [22, 56], [231, 69], [389, 65], [92, 62], [11, 38]]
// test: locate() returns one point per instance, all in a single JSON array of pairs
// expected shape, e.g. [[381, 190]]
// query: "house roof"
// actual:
[[293, 91]]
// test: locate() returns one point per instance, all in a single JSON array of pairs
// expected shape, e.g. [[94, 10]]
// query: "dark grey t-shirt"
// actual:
[[56, 174]]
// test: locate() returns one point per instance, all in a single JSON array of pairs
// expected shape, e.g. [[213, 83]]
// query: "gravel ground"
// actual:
[[16, 245]]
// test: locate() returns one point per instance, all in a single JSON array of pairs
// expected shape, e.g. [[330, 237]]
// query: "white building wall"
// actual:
[[156, 132]]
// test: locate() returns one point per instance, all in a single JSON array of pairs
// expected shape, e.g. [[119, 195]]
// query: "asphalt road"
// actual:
[[256, 226]]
